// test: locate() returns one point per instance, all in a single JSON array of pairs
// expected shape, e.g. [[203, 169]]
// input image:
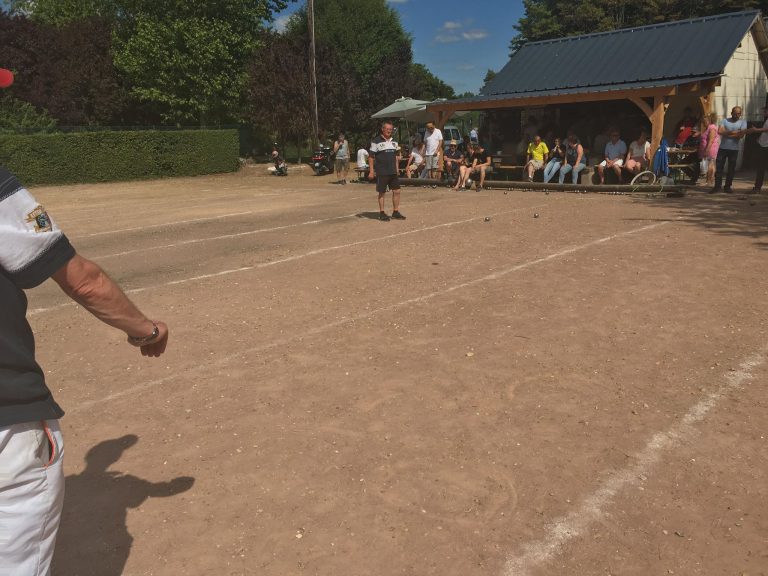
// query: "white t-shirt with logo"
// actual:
[[432, 142]]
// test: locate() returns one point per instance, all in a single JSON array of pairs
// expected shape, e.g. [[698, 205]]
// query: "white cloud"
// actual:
[[451, 31], [447, 38], [474, 35], [465, 67]]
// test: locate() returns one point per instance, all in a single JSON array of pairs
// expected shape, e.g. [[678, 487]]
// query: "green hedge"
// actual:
[[110, 156]]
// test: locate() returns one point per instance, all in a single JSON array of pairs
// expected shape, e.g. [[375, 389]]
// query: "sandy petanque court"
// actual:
[[581, 393]]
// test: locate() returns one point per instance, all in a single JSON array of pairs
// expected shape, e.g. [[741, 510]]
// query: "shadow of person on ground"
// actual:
[[93, 537], [369, 215]]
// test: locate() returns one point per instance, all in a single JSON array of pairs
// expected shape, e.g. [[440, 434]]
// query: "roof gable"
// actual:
[[685, 49]]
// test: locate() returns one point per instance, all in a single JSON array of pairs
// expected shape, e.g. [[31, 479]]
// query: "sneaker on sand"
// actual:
[[383, 217], [397, 216]]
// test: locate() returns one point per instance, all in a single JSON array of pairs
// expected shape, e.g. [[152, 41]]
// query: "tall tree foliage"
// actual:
[[184, 60], [546, 19], [375, 45], [65, 70], [279, 97]]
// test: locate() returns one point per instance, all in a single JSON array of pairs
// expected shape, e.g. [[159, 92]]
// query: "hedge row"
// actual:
[[111, 156]]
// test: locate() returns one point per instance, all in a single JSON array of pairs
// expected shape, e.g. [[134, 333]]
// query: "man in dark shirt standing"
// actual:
[[385, 155], [33, 249]]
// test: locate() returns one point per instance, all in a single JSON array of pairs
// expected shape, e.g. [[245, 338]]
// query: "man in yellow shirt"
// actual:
[[537, 151]]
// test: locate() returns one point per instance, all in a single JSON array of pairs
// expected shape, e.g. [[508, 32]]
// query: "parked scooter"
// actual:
[[321, 160], [281, 168]]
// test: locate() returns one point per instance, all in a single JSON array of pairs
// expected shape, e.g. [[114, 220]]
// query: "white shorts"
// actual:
[[431, 162], [31, 496], [618, 162]]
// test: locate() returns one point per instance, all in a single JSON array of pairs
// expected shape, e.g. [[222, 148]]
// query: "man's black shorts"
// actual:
[[392, 180]]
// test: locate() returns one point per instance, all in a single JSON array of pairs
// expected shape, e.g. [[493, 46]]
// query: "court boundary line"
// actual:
[[36, 311], [364, 316], [592, 509], [223, 237]]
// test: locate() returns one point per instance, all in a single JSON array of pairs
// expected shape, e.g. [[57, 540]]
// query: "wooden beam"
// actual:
[[642, 104], [523, 102], [657, 123], [690, 87], [706, 103]]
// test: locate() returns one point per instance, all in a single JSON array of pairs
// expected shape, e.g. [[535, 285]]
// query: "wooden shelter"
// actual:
[[651, 66]]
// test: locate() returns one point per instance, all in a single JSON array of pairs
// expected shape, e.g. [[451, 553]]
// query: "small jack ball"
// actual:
[[536, 215]]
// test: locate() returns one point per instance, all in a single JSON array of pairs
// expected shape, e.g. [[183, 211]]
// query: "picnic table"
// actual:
[[685, 160]]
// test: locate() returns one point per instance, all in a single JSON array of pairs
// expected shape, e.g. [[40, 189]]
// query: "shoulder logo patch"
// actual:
[[40, 217]]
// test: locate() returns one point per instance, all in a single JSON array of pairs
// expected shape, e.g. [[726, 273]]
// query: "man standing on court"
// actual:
[[341, 150], [384, 162], [433, 146], [731, 130], [33, 249]]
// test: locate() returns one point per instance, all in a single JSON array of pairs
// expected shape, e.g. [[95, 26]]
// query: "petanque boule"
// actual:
[[535, 214], [487, 218]]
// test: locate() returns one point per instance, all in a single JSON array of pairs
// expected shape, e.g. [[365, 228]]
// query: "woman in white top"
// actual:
[[639, 154], [416, 159]]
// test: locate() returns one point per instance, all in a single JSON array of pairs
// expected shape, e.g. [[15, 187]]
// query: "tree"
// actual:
[[426, 86], [380, 61], [279, 98], [80, 85], [184, 60]]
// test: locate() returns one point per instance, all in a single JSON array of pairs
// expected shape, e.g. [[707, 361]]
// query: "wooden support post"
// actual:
[[706, 103], [657, 122]]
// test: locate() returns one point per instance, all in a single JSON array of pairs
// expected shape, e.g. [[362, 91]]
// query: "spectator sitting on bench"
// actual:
[[416, 161], [639, 155], [556, 160], [466, 166], [615, 151], [535, 154], [481, 163], [453, 160], [575, 159]]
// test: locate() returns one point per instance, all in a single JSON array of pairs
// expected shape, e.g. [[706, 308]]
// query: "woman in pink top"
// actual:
[[709, 144]]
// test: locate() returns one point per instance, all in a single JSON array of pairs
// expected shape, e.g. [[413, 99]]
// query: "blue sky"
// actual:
[[457, 40]]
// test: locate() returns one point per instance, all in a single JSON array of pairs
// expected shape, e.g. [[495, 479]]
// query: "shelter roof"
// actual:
[[658, 55]]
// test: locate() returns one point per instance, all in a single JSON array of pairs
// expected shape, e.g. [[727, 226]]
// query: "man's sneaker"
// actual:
[[715, 190], [383, 217], [397, 216], [728, 190]]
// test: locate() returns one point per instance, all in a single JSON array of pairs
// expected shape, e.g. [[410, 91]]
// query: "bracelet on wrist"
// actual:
[[141, 340]]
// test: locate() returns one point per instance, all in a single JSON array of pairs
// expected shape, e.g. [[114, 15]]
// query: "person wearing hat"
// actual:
[[453, 160], [33, 249]]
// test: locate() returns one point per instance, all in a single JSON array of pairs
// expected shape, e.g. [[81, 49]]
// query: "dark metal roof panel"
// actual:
[[672, 50]]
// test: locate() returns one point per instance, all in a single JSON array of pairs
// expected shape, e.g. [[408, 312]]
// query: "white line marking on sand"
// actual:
[[592, 509], [224, 237], [36, 311], [363, 316], [169, 224]]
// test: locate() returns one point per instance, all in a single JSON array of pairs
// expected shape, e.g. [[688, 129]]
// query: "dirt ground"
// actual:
[[578, 393]]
